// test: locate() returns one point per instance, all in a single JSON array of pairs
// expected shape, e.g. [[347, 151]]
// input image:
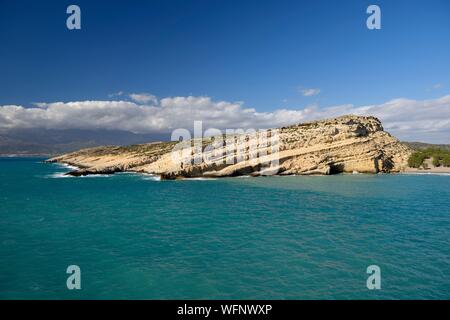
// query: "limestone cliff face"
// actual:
[[344, 144]]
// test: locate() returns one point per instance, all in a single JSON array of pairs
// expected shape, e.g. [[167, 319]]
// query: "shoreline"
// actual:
[[73, 172], [434, 170]]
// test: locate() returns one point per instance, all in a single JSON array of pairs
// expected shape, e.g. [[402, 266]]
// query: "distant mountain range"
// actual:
[[51, 142], [422, 145]]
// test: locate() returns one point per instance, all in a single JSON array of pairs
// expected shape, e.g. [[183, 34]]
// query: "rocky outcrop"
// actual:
[[345, 144]]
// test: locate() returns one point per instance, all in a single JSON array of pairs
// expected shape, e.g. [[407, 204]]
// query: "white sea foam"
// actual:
[[58, 175], [67, 166], [427, 173], [151, 177], [96, 176]]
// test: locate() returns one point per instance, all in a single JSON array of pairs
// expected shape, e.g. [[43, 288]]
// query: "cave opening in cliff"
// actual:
[[336, 168]]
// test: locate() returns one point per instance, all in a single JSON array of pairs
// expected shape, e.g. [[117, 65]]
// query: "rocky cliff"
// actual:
[[345, 144]]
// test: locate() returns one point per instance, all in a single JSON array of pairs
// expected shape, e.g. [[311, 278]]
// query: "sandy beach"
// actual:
[[430, 170]]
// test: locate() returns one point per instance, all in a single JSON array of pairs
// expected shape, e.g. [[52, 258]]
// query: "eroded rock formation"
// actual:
[[345, 144]]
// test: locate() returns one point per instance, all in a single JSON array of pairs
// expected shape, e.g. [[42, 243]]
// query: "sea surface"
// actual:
[[135, 237]]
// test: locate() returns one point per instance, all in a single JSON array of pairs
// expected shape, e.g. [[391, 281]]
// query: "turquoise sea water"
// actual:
[[234, 238]]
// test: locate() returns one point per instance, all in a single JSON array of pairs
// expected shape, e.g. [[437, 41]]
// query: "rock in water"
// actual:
[[345, 144]]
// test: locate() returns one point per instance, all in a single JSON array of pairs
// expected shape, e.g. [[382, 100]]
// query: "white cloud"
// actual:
[[310, 92], [422, 120], [436, 86], [143, 98], [115, 94], [425, 120]]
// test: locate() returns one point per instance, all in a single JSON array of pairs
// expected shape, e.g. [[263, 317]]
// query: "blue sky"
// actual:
[[260, 52], [263, 53]]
